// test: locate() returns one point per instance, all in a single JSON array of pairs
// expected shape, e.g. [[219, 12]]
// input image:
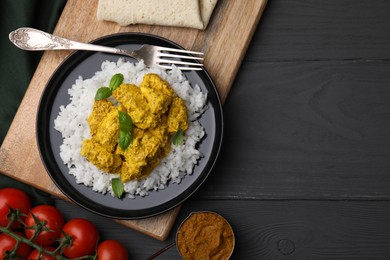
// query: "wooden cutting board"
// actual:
[[224, 43]]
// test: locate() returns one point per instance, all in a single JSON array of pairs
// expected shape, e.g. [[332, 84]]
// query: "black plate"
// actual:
[[49, 140]]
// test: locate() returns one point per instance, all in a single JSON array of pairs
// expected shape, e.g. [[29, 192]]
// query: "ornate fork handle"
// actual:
[[35, 40], [163, 57]]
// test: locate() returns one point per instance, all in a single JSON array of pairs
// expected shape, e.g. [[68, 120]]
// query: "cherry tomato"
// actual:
[[16, 199], [112, 250], [53, 219], [34, 255], [85, 237], [8, 243]]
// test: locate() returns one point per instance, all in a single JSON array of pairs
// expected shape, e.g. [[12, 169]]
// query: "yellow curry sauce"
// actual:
[[157, 113]]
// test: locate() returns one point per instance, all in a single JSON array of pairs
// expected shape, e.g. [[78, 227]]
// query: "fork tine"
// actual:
[[180, 68], [190, 68], [177, 62], [179, 50], [181, 56]]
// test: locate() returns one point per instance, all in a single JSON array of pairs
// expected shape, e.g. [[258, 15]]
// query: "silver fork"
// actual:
[[35, 40]]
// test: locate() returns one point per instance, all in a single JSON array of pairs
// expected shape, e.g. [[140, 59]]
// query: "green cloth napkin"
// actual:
[[17, 67]]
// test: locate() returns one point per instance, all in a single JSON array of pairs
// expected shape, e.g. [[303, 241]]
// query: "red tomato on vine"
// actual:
[[84, 238], [7, 243], [51, 218], [15, 199], [112, 250]]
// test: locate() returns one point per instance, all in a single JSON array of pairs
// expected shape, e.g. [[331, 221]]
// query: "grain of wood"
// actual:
[[320, 130], [296, 230], [227, 41], [313, 30], [304, 229]]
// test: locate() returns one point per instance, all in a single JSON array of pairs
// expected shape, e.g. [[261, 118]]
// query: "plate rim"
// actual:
[[73, 58]]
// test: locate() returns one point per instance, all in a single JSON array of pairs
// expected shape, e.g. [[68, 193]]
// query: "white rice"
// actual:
[[73, 125]]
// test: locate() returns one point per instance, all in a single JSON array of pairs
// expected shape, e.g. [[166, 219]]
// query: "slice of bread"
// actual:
[[206, 9], [181, 13]]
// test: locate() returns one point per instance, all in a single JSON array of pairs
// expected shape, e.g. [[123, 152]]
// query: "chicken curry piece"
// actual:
[[156, 112]]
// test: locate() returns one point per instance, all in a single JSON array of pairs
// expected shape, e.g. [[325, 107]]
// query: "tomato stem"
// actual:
[[13, 215], [40, 225]]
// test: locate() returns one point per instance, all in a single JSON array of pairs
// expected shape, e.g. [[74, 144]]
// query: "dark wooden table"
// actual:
[[305, 167]]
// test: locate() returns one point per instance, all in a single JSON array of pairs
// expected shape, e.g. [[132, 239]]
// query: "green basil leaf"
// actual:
[[178, 138], [103, 93], [125, 122], [117, 187], [116, 81], [124, 140]]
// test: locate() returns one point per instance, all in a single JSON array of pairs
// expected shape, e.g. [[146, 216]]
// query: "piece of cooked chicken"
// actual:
[[144, 148], [157, 92], [107, 132], [100, 109], [177, 116], [136, 105], [100, 157]]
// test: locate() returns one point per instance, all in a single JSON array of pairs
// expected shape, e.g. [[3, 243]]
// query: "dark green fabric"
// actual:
[[17, 66]]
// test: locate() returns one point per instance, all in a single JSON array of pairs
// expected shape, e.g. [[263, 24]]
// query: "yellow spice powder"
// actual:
[[205, 235]]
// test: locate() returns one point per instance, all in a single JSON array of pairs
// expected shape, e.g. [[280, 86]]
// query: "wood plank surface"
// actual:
[[306, 130], [224, 43], [303, 30], [308, 114], [312, 230]]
